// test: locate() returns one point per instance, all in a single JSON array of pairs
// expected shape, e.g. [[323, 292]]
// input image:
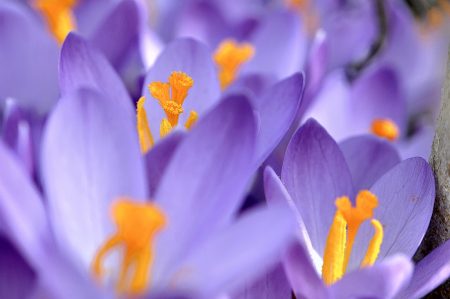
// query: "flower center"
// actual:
[[171, 96], [385, 128], [229, 57], [137, 225], [342, 234], [58, 15]]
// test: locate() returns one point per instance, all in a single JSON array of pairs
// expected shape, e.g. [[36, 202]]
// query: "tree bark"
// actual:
[[439, 229]]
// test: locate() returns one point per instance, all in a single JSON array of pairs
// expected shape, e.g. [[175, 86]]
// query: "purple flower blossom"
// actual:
[[316, 172]]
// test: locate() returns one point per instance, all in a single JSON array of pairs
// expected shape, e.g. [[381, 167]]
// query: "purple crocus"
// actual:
[[317, 178], [91, 158], [275, 105], [129, 46]]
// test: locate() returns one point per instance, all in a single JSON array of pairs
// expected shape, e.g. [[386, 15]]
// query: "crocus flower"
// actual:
[[91, 160], [333, 196], [183, 84], [33, 82]]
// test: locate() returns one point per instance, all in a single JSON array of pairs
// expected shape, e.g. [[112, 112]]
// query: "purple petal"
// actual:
[[16, 133], [302, 275], [383, 280], [351, 30], [276, 109], [90, 157], [254, 84], [126, 27], [368, 158], [405, 204], [28, 59], [158, 159], [193, 58], [254, 245], [24, 223], [17, 278], [207, 176], [81, 65], [277, 194], [280, 45], [429, 273], [346, 109], [23, 218], [315, 174], [203, 21], [122, 24], [272, 285]]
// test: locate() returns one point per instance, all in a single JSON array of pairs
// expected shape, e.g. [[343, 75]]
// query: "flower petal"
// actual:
[[22, 212], [346, 109], [90, 156], [122, 25], [429, 273], [280, 45], [17, 277], [302, 275], [272, 285], [277, 194], [159, 157], [405, 204], [206, 176], [383, 280], [193, 58], [315, 174], [368, 158], [82, 65], [28, 59], [276, 109], [254, 244]]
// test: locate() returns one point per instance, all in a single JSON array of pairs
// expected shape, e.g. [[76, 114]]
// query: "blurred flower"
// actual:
[[275, 106], [90, 158]]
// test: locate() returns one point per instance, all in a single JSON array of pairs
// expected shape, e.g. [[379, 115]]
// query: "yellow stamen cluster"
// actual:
[[385, 128], [137, 225], [229, 57], [342, 234], [58, 15], [170, 96]]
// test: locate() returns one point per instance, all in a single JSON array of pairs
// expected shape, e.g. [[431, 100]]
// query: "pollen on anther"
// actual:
[[385, 128]]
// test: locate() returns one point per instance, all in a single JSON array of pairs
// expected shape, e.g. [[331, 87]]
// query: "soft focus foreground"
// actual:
[[202, 149]]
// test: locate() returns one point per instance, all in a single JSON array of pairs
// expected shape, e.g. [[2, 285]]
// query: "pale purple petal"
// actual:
[[277, 108], [193, 58], [280, 45], [272, 285], [122, 24], [277, 194], [82, 65], [368, 158], [429, 273], [347, 109], [302, 275], [158, 158], [28, 59], [206, 177], [405, 204], [383, 280], [315, 174], [23, 218], [17, 277], [254, 245], [23, 221], [90, 157]]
